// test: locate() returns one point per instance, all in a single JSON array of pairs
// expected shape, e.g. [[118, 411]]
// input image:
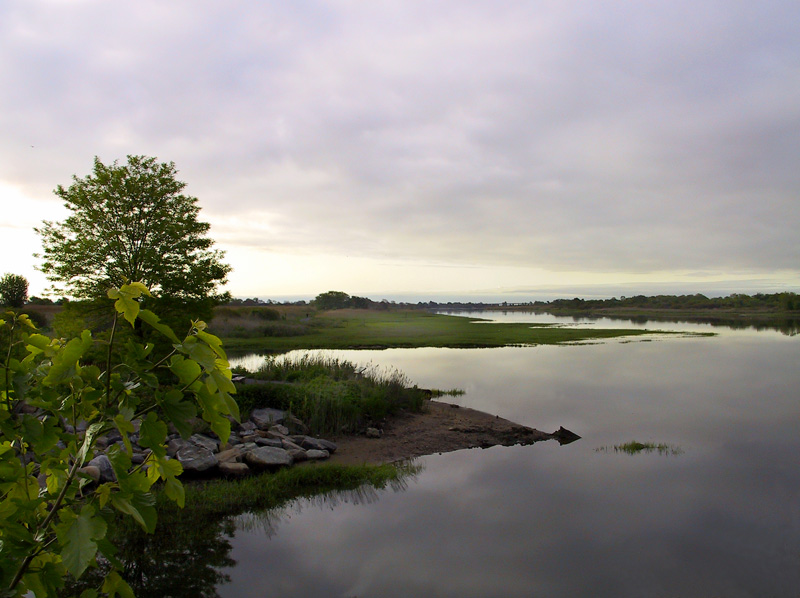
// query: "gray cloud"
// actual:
[[562, 135]]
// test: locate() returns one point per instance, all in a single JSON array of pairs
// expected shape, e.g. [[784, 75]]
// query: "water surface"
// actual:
[[720, 519]]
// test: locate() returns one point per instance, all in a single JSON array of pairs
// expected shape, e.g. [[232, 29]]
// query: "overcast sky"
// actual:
[[423, 149]]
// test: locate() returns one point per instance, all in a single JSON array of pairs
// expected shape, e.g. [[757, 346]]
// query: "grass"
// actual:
[[634, 447], [371, 329], [222, 498], [329, 395]]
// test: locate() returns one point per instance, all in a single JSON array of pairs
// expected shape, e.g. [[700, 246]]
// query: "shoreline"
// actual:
[[439, 428]]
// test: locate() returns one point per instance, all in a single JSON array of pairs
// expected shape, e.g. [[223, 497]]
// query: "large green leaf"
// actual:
[[179, 411], [78, 540]]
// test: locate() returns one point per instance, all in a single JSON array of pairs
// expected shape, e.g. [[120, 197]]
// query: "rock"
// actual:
[[268, 442], [234, 470], [318, 444], [230, 456], [281, 430], [196, 459], [104, 465], [298, 454], [266, 418], [205, 442], [174, 445], [268, 457], [92, 471], [315, 455], [288, 445], [247, 426], [373, 433]]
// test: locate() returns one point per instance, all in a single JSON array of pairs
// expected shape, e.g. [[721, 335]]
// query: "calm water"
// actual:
[[720, 519]]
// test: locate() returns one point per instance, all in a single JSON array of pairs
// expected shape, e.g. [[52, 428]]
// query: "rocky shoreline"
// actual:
[[264, 442]]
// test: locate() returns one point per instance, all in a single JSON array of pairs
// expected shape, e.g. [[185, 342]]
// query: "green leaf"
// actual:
[[126, 299], [212, 341], [88, 439], [179, 411], [187, 370], [140, 506], [66, 360], [78, 540], [152, 432], [153, 320], [115, 586]]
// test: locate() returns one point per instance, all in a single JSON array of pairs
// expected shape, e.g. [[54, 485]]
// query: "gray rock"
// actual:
[[290, 446], [318, 444], [282, 430], [102, 463], [315, 455], [373, 433], [196, 459], [268, 442], [247, 426], [298, 454], [205, 442], [268, 457], [266, 418], [174, 445], [230, 456]]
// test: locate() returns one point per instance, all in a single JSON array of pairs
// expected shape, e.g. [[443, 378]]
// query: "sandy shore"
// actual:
[[440, 428]]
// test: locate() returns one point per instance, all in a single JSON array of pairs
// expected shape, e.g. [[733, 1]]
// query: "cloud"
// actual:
[[558, 135]]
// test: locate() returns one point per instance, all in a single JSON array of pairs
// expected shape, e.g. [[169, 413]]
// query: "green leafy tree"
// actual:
[[332, 300], [54, 518], [13, 290], [132, 222]]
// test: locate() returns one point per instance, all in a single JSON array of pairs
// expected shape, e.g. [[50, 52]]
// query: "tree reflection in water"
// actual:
[[187, 555]]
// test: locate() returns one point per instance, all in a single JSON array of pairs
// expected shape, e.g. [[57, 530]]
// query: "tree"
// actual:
[[132, 223], [332, 300], [54, 408], [13, 290]]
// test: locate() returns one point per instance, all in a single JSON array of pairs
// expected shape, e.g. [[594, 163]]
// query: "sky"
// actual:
[[417, 150]]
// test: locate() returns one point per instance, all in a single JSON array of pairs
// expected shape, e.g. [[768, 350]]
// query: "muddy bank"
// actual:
[[440, 428]]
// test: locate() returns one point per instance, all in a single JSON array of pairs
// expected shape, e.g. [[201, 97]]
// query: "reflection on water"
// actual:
[[721, 519], [789, 326], [191, 558]]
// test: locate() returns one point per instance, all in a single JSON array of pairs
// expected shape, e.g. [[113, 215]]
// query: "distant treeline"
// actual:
[[759, 301]]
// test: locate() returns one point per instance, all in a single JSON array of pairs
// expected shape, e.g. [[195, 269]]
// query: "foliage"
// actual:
[[13, 290], [54, 407], [332, 300], [132, 222], [329, 395]]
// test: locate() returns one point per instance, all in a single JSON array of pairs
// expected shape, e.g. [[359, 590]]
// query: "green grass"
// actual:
[[634, 447], [329, 395], [369, 329]]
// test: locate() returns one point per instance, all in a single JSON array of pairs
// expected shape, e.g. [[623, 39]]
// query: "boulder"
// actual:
[[315, 455], [196, 459], [266, 418], [317, 444], [205, 442], [268, 457], [102, 463], [268, 442]]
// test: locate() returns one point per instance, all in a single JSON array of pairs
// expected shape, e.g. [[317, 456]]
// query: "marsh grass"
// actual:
[[328, 394], [634, 447], [363, 329]]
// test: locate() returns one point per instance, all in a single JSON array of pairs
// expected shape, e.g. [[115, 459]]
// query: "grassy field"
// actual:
[[373, 329]]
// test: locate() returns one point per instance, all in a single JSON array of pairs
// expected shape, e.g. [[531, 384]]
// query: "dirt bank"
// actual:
[[440, 428]]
